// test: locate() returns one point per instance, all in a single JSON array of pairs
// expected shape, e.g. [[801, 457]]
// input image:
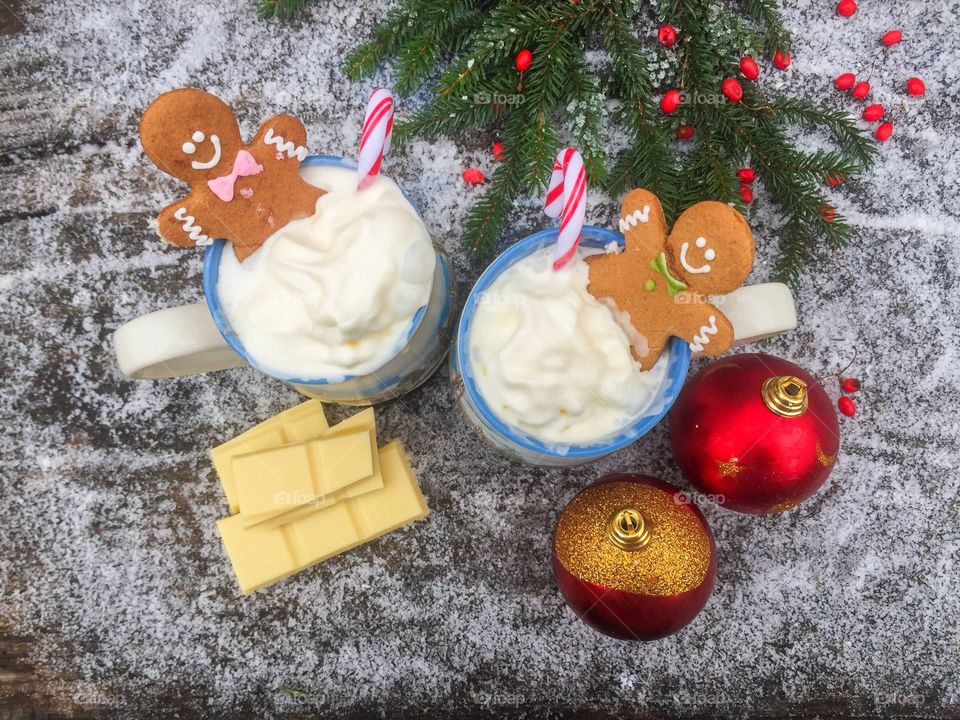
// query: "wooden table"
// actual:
[[116, 598]]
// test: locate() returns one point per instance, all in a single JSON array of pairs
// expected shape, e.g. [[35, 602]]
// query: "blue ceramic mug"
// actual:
[[199, 338], [756, 311]]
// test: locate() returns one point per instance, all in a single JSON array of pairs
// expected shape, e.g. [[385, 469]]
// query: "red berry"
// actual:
[[861, 90], [846, 8], [892, 37], [827, 212], [847, 406], [497, 150], [473, 176], [670, 101], [872, 113], [850, 385], [746, 175], [835, 179], [746, 194], [523, 60], [749, 68], [667, 35], [732, 90], [845, 81], [916, 87], [685, 132], [781, 60], [884, 131]]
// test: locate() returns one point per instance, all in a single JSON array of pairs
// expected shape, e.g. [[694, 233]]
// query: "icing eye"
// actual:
[[710, 254], [198, 137], [189, 148], [701, 242]]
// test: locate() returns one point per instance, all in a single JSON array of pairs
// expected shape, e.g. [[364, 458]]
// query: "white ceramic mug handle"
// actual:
[[173, 342], [758, 312]]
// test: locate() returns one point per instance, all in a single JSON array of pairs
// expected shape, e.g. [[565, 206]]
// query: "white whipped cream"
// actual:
[[334, 294], [551, 360]]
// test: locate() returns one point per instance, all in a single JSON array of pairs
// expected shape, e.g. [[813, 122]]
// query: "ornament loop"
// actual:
[[785, 395], [629, 529]]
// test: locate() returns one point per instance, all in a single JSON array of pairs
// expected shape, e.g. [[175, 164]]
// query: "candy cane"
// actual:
[[375, 138], [567, 198]]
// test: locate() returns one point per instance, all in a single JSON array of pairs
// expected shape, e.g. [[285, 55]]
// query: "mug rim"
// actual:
[[211, 277], [678, 358]]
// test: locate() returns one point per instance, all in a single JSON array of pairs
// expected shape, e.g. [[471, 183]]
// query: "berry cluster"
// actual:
[[848, 386], [860, 89], [846, 405]]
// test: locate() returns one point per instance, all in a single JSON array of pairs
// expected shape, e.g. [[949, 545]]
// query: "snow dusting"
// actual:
[[113, 579]]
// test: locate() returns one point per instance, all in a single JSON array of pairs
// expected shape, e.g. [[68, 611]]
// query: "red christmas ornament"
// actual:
[[732, 90], [473, 176], [633, 557], [670, 101], [835, 179], [746, 194], [497, 150], [667, 36], [916, 87], [847, 406], [884, 131], [685, 132], [781, 60], [846, 8], [749, 68], [746, 175], [850, 385], [892, 37], [861, 90], [845, 81], [758, 433], [872, 113], [523, 60]]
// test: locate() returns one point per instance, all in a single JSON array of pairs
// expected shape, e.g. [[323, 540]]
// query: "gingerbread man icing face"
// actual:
[[243, 193], [662, 280]]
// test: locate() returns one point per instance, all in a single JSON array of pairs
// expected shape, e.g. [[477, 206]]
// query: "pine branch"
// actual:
[[388, 38], [768, 15], [486, 220], [708, 173], [839, 123], [437, 25], [585, 113], [796, 242], [470, 45]]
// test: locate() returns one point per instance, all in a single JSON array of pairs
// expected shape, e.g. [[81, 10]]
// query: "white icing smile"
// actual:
[[709, 254], [189, 148]]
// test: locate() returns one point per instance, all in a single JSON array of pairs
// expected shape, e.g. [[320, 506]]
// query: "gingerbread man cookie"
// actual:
[[243, 193], [662, 280]]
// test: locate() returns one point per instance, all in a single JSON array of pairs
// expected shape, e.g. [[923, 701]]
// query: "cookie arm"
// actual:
[[643, 223], [178, 223], [285, 134], [706, 329]]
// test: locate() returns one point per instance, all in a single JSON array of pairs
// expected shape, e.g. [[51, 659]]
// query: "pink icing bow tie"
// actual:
[[243, 165]]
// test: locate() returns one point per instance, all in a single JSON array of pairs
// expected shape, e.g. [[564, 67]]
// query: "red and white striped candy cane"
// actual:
[[375, 138], [567, 198]]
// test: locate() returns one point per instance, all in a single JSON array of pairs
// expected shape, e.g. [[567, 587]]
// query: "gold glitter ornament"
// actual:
[[634, 557]]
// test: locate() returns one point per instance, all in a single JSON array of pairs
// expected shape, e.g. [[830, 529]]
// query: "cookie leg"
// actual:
[[656, 342], [706, 329]]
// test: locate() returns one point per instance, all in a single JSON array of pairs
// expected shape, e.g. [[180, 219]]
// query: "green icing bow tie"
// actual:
[[674, 286]]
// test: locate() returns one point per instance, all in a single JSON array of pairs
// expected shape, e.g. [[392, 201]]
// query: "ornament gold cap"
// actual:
[[785, 395], [629, 529]]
